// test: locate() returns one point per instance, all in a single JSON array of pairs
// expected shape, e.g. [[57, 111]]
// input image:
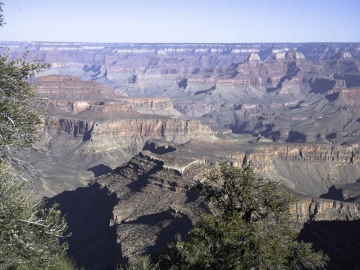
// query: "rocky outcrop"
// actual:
[[142, 205], [71, 94], [262, 152], [341, 55], [292, 54], [348, 192], [155, 201], [72, 88], [132, 66], [161, 106], [253, 57], [342, 62], [174, 130], [93, 136], [351, 93], [312, 209], [309, 168], [285, 81]]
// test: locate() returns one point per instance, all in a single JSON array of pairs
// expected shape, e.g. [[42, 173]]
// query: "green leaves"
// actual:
[[20, 112], [30, 233], [1, 15], [20, 109], [250, 227]]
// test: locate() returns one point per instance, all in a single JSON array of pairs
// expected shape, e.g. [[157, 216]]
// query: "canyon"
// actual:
[[285, 92], [131, 127]]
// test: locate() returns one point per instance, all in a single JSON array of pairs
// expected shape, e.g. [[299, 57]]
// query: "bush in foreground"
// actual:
[[250, 227]]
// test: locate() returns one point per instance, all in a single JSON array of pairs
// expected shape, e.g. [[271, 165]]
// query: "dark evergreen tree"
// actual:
[[29, 233], [251, 227]]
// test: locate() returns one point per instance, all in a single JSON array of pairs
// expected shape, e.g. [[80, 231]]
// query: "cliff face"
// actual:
[[112, 142], [141, 68], [72, 88], [108, 129], [309, 168], [161, 106], [310, 209], [351, 93], [291, 85], [71, 94], [155, 201], [255, 73], [174, 130]]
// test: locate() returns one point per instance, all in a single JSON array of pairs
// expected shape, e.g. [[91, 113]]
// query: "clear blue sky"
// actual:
[[225, 21]]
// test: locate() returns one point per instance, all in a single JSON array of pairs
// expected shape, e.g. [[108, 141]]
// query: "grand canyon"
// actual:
[[132, 126]]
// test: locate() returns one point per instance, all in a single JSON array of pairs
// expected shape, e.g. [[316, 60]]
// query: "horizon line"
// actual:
[[126, 42]]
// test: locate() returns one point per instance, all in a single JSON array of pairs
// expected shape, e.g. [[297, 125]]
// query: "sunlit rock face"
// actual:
[[91, 125], [325, 210], [72, 88]]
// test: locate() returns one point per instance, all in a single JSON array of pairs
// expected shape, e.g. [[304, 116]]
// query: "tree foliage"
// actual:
[[141, 263], [29, 233], [20, 111], [250, 228], [1, 15]]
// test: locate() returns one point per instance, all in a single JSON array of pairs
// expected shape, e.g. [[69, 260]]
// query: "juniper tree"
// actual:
[[29, 233], [250, 227], [1, 15], [20, 111]]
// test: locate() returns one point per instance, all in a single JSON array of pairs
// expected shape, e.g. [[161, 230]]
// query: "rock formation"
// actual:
[[312, 209], [155, 201], [293, 83], [253, 57], [89, 134], [70, 87]]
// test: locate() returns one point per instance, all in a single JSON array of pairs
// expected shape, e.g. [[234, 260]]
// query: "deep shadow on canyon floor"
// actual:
[[93, 242], [88, 211]]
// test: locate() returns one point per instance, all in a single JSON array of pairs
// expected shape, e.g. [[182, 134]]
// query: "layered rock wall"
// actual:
[[174, 130], [321, 209], [161, 105], [310, 168], [72, 88], [352, 93]]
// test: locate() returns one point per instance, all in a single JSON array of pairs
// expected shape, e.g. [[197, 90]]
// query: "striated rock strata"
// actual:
[[309, 168], [313, 209], [99, 135], [155, 201]]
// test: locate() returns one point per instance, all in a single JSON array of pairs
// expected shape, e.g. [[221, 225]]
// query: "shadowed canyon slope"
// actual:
[[155, 202]]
